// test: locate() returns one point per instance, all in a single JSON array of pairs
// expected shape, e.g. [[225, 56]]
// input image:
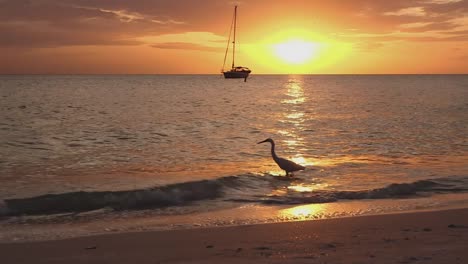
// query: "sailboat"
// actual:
[[235, 71]]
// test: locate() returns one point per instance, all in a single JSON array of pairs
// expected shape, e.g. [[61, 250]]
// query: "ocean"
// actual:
[[88, 154]]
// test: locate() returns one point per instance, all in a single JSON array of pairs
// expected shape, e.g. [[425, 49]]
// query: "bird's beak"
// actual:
[[262, 141]]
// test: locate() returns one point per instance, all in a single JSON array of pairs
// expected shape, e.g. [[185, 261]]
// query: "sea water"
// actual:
[[172, 151]]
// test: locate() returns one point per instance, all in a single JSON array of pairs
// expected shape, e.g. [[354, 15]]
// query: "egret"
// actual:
[[286, 165]]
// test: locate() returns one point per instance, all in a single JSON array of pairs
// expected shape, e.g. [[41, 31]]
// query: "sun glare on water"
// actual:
[[296, 51]]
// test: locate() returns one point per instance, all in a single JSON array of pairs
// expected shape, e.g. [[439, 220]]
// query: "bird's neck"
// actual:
[[273, 154]]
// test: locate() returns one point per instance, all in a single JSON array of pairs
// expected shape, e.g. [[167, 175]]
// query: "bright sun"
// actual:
[[296, 51]]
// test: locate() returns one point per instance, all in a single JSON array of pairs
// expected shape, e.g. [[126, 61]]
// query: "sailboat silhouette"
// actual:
[[236, 71]]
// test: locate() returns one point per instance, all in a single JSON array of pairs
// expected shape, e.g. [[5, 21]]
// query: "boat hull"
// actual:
[[238, 72], [236, 75]]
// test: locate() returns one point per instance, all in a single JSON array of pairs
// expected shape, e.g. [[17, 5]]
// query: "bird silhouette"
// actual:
[[286, 165]]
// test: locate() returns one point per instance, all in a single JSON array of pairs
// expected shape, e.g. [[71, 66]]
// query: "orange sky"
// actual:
[[188, 36]]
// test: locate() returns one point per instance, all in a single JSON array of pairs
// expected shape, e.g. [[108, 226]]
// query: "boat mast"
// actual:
[[228, 43], [234, 39]]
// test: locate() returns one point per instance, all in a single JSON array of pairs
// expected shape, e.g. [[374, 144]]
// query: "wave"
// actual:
[[392, 191], [169, 195], [247, 188]]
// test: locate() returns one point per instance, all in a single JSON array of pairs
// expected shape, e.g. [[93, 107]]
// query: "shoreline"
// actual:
[[432, 236], [103, 222]]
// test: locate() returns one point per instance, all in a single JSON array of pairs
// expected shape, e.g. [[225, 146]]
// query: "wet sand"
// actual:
[[421, 237]]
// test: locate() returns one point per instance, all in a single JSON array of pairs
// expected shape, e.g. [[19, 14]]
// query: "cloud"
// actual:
[[410, 36], [410, 11], [128, 16], [191, 37], [186, 46], [21, 35], [123, 15], [415, 25], [51, 23], [410, 21], [201, 41], [45, 23], [442, 2], [461, 23]]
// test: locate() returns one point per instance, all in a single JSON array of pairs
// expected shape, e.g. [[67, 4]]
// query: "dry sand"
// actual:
[[422, 237]]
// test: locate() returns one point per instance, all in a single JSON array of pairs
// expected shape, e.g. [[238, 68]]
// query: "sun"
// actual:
[[296, 51]]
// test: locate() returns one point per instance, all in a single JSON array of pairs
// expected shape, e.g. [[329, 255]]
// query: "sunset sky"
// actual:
[[274, 36]]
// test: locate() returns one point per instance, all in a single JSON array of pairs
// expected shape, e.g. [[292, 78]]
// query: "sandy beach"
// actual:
[[419, 237]]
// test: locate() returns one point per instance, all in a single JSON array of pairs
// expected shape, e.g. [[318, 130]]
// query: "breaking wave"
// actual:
[[392, 191], [243, 188]]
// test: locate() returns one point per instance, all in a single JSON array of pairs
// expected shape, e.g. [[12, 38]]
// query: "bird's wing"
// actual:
[[288, 165]]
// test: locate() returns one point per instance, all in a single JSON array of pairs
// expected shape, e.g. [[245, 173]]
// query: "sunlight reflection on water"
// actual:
[[303, 212], [303, 187], [294, 115]]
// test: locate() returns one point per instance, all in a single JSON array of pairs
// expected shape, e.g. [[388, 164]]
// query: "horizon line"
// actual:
[[213, 74]]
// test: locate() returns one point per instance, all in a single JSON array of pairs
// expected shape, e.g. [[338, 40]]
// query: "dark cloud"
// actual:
[[48, 23], [24, 36], [45, 23]]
